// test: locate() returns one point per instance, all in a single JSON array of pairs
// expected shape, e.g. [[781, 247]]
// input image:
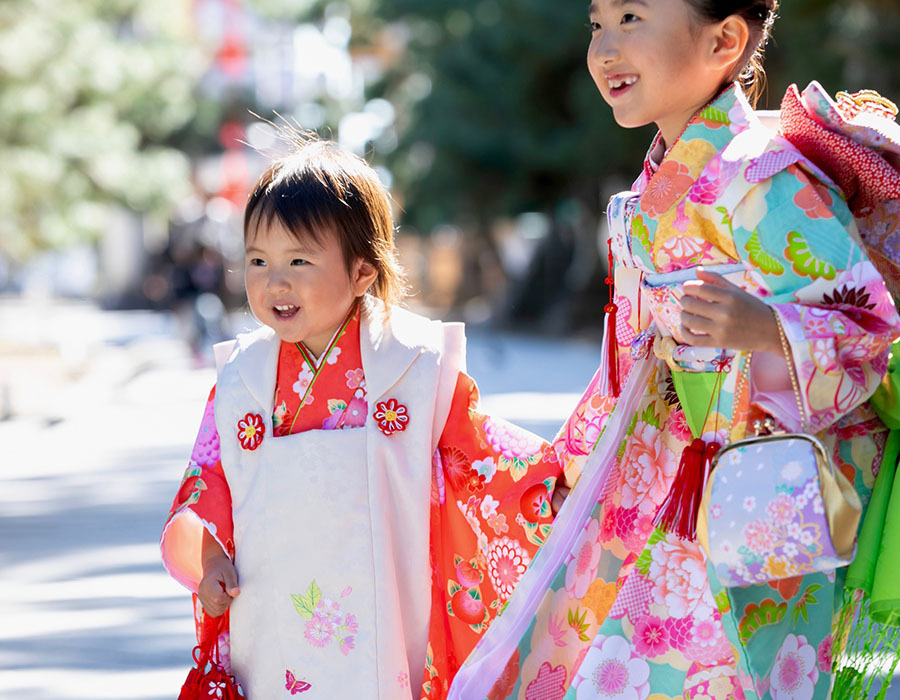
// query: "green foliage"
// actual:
[[511, 122], [89, 91], [497, 113]]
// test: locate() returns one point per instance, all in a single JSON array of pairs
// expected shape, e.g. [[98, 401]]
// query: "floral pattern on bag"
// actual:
[[768, 522]]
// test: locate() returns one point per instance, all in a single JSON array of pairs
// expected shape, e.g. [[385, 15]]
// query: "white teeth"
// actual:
[[287, 307], [615, 84]]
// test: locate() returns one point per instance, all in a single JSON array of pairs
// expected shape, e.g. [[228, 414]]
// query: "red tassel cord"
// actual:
[[678, 512], [609, 379]]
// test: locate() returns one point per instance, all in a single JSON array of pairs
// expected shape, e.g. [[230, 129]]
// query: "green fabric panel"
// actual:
[[862, 571], [885, 602], [695, 393], [886, 399]]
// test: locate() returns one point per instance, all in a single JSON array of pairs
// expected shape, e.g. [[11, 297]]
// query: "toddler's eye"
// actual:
[[257, 262], [298, 261], [628, 18], [593, 26]]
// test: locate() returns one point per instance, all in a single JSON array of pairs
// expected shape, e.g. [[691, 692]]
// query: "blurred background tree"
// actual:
[[479, 114], [90, 90]]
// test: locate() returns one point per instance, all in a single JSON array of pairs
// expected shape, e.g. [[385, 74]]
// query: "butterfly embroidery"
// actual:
[[294, 685]]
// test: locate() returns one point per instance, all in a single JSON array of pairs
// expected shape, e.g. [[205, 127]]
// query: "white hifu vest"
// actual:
[[331, 527]]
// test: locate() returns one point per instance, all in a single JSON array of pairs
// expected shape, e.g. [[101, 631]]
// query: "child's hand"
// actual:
[[718, 314], [220, 580], [218, 585], [560, 494]]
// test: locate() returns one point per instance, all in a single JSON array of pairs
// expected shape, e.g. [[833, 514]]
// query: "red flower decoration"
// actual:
[[391, 416], [250, 431]]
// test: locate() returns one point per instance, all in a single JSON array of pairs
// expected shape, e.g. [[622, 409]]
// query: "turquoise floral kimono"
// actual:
[[614, 606]]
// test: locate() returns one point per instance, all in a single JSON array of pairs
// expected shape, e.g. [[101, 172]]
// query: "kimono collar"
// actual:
[[708, 131], [389, 344]]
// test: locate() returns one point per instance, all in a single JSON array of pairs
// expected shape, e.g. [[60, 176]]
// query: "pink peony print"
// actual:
[[611, 670], [647, 470], [506, 560], [650, 637], [550, 684], [678, 574], [582, 564], [794, 674], [759, 536], [824, 654]]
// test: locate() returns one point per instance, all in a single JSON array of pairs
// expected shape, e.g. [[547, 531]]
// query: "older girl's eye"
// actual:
[[628, 18], [257, 262], [593, 26], [298, 261]]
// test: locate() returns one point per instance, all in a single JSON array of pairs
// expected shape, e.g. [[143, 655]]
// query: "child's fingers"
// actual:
[[708, 291], [701, 340], [560, 493], [714, 279], [230, 582], [698, 324], [701, 307]]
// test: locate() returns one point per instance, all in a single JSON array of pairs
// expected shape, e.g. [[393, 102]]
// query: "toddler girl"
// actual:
[[346, 502]]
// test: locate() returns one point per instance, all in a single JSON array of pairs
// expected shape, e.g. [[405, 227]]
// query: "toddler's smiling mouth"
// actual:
[[285, 310]]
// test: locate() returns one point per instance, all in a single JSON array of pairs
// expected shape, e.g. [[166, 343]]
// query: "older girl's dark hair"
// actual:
[[759, 15], [320, 187]]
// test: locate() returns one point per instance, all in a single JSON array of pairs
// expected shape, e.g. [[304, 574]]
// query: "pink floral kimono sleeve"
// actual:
[[837, 315], [202, 501]]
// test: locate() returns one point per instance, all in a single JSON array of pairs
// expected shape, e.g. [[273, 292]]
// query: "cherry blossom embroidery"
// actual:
[[251, 431], [325, 621], [391, 416]]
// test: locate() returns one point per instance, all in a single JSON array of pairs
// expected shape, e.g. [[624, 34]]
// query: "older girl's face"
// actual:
[[653, 62]]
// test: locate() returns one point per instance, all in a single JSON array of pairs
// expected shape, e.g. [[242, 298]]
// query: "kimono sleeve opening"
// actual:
[[203, 502]]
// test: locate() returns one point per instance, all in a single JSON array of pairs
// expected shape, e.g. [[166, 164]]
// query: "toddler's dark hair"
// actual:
[[320, 187], [759, 16]]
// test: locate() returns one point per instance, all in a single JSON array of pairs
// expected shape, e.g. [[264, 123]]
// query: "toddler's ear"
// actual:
[[362, 277]]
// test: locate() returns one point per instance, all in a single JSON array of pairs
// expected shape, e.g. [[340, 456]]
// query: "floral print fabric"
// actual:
[[636, 612], [490, 503]]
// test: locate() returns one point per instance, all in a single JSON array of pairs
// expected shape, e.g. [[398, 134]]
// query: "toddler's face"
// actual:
[[297, 287]]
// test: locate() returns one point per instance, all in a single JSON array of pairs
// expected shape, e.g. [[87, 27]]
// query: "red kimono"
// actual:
[[490, 507]]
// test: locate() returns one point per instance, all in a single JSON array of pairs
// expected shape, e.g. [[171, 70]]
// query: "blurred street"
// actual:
[[102, 409]]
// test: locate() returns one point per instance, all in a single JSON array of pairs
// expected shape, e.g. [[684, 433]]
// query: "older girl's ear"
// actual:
[[728, 43]]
